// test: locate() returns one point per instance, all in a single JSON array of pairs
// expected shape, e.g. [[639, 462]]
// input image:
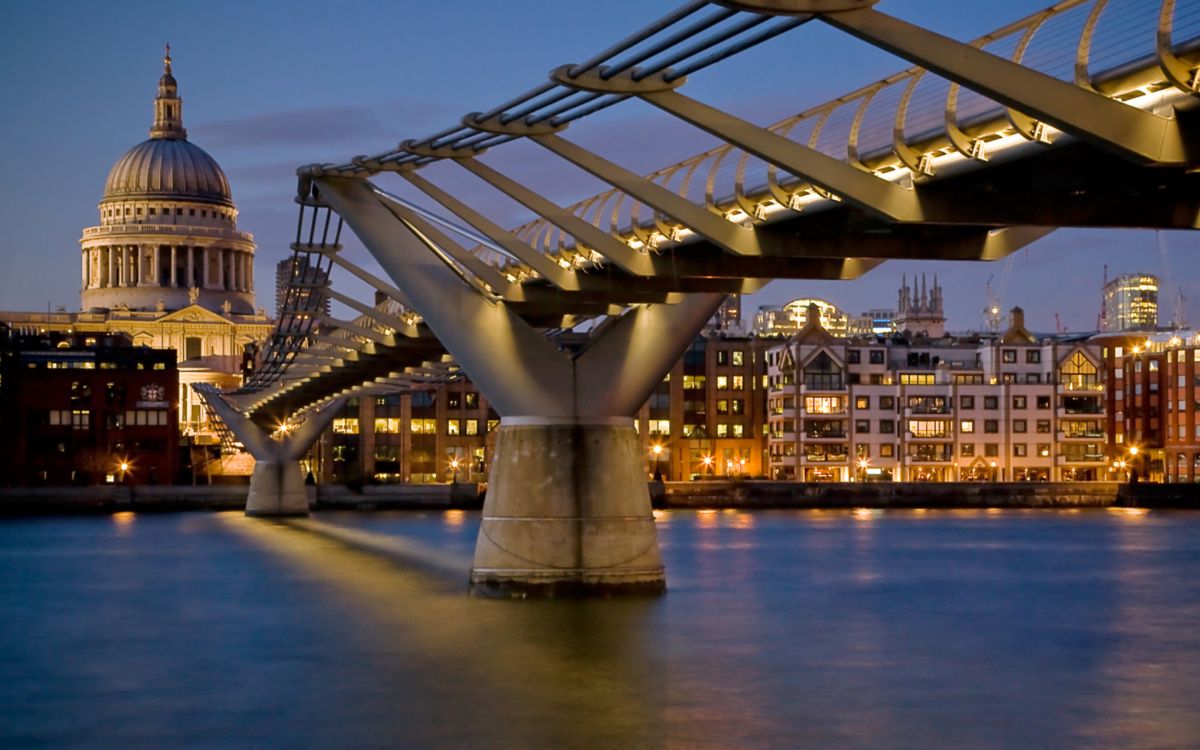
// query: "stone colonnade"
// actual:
[[109, 266]]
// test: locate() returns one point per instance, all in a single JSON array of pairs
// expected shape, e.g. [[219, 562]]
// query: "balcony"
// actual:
[[928, 437], [1082, 435], [1080, 388], [824, 435], [1080, 458], [1067, 412], [927, 411]]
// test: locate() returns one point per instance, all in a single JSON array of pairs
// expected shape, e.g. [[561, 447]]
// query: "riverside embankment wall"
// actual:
[[715, 494]]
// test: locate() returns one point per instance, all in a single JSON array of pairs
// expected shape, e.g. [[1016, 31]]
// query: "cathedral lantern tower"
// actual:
[[168, 235]]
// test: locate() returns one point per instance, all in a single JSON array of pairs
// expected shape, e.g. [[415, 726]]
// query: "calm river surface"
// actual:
[[782, 629]]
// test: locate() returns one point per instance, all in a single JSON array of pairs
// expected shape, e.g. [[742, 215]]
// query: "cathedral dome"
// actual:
[[168, 168]]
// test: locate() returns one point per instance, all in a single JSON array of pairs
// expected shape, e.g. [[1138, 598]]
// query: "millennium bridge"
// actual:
[[1081, 115]]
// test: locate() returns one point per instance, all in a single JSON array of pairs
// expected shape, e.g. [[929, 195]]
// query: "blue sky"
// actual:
[[269, 86]]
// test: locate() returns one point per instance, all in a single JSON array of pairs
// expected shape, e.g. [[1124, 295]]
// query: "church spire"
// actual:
[[168, 107]]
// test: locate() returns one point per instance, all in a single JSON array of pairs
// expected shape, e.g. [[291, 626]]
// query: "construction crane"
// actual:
[[1059, 328], [1102, 318], [993, 319]]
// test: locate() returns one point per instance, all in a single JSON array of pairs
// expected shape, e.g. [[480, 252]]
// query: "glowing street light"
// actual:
[[708, 463], [454, 464], [657, 450]]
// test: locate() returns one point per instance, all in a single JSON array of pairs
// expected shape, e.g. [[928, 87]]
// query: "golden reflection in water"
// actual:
[[1133, 514], [706, 519], [743, 521], [454, 517], [123, 520], [866, 514], [535, 673]]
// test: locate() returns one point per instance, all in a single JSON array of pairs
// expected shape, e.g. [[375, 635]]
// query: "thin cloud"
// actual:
[[324, 127]]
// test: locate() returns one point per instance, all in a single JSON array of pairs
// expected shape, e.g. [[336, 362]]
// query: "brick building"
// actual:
[[87, 409]]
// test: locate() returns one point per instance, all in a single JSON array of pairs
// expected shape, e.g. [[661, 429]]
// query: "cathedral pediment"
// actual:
[[194, 314]]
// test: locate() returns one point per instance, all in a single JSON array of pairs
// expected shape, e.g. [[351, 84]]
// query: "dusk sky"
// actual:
[[269, 86]]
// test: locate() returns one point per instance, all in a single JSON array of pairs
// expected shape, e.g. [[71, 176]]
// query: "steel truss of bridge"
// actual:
[[1081, 115]]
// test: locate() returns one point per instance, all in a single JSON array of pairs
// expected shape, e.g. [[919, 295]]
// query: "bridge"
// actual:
[[1081, 115]]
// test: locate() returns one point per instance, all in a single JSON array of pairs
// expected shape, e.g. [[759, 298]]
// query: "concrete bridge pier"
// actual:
[[277, 484], [567, 513], [567, 510]]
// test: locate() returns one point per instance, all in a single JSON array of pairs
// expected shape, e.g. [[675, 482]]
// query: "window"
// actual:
[[966, 426], [967, 449], [887, 450], [862, 402], [453, 427], [695, 431], [991, 450], [854, 357], [916, 378], [1078, 373], [722, 406], [722, 430], [472, 426], [1033, 356], [1020, 450], [991, 402], [862, 426], [737, 382], [823, 405], [1043, 450], [929, 428], [737, 430], [387, 425], [192, 347], [453, 400], [660, 427], [1043, 426], [722, 382], [991, 425], [967, 402], [471, 400], [1008, 356], [722, 358], [887, 426], [693, 382], [887, 402], [1043, 402], [422, 426], [738, 358], [1019, 425], [345, 426], [823, 374], [1019, 402], [876, 357], [737, 406]]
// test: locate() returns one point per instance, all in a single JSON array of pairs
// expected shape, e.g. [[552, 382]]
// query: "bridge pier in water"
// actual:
[[277, 485], [567, 510]]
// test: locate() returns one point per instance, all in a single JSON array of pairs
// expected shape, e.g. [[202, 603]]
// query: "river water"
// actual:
[[781, 629]]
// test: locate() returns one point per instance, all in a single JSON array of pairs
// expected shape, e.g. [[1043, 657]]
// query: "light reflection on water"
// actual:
[[821, 629]]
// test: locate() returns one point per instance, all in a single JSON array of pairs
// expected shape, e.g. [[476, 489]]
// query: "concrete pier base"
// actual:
[[277, 489], [567, 514]]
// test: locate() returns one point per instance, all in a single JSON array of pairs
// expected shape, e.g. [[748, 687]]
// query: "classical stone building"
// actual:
[[167, 265]]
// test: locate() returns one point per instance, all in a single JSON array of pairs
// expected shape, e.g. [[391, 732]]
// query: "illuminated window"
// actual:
[[423, 426], [387, 425], [693, 382], [738, 358], [346, 425], [472, 426], [452, 427], [660, 427], [823, 405], [737, 382], [967, 426], [929, 428], [916, 378]]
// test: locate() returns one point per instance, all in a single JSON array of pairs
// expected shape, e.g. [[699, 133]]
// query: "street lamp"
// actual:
[[993, 465], [708, 464], [657, 450], [454, 466], [742, 466], [862, 469]]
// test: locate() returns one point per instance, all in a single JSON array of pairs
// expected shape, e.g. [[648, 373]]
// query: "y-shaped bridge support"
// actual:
[[567, 509], [277, 484]]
